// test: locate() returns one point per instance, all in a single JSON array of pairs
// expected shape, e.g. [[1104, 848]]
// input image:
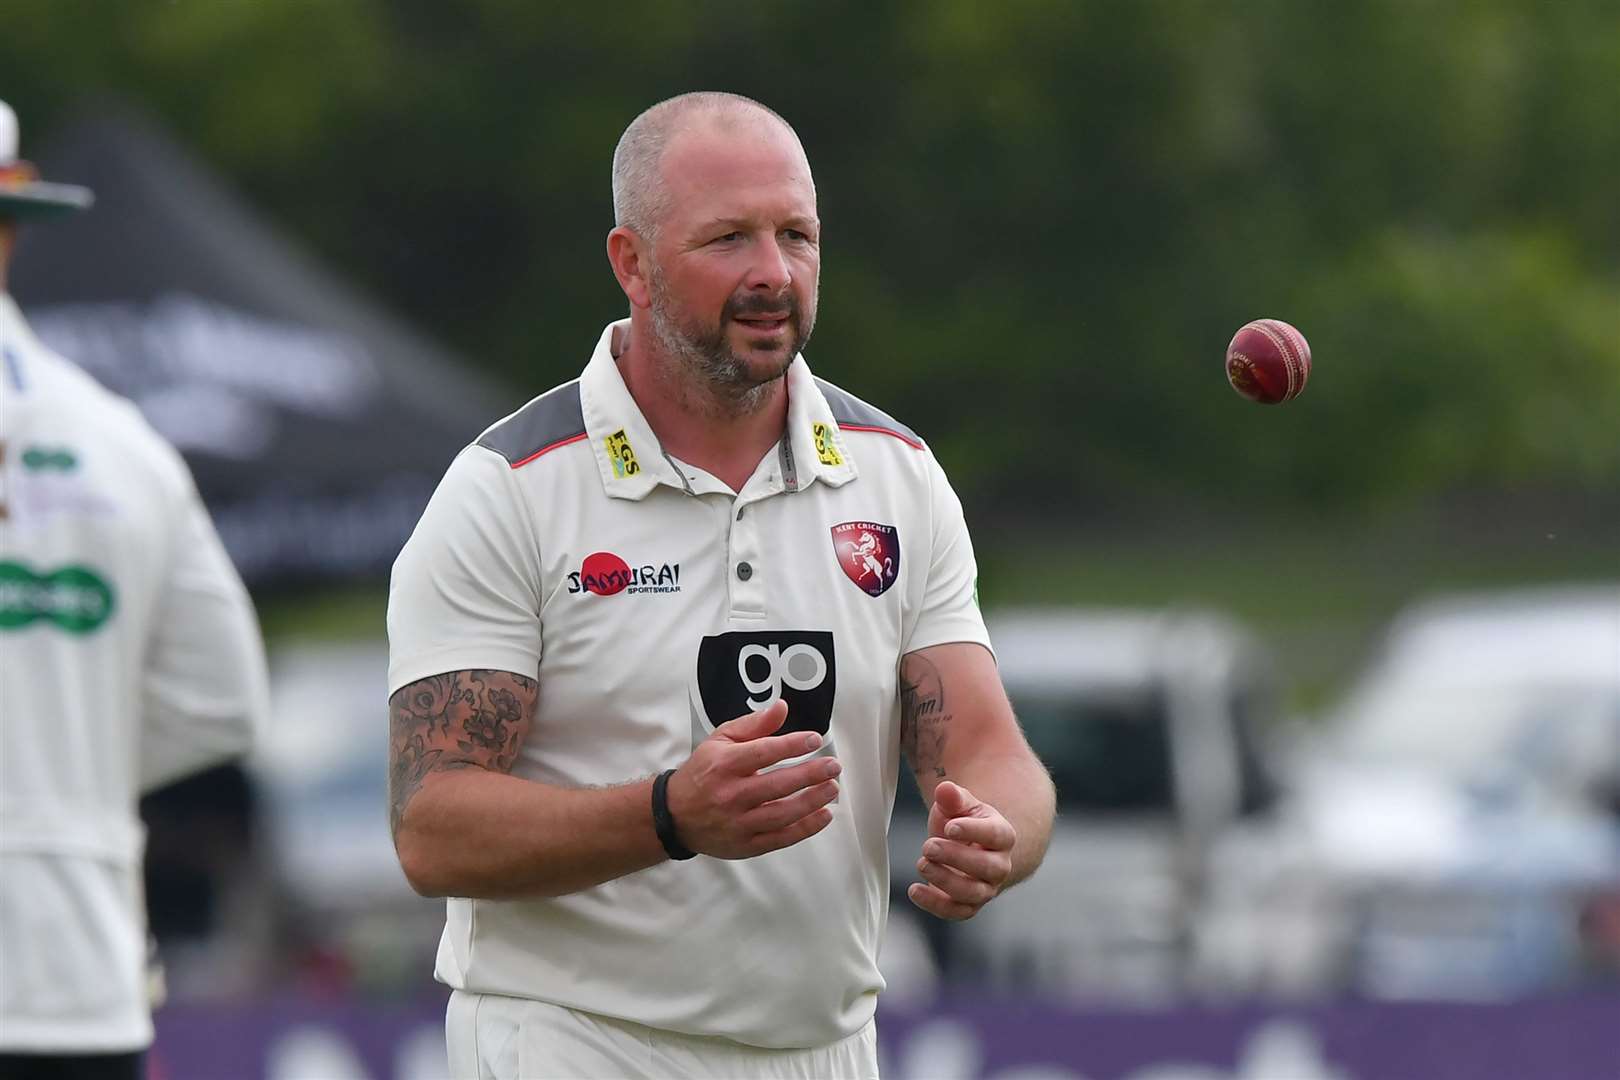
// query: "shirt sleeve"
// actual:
[[205, 692], [949, 610], [465, 591]]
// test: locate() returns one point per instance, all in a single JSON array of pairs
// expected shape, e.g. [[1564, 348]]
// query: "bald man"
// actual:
[[658, 646]]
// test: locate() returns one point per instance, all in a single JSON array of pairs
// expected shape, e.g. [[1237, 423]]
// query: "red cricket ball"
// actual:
[[1268, 361]]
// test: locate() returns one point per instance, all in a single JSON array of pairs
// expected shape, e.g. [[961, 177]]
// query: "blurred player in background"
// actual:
[[129, 657], [696, 602]]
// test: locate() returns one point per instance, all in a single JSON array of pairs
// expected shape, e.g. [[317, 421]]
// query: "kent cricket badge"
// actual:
[[869, 554]]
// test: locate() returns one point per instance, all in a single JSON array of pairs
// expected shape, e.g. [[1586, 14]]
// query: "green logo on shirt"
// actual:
[[42, 458], [75, 598]]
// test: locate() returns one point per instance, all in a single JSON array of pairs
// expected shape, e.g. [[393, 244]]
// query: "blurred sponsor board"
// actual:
[[1557, 1039]]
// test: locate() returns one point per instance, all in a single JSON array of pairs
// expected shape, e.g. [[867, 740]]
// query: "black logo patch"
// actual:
[[743, 671]]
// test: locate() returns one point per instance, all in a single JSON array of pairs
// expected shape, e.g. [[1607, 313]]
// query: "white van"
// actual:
[[1148, 721], [1457, 813]]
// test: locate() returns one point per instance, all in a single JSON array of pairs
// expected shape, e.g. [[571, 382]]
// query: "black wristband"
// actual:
[[664, 821]]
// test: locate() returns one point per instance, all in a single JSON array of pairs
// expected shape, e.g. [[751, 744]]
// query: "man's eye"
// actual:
[[728, 238], [796, 236]]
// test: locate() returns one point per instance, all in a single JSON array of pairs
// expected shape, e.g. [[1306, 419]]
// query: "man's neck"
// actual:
[[720, 435]]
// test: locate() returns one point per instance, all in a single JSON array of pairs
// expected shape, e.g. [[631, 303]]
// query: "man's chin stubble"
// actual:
[[720, 382], [734, 387]]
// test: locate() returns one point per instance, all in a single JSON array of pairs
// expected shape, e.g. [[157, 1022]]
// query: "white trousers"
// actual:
[[502, 1038]]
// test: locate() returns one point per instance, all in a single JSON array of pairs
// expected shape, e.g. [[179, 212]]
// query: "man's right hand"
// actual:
[[724, 806]]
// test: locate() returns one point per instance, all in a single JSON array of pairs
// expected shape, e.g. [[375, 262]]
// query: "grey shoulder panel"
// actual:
[[553, 419], [854, 414]]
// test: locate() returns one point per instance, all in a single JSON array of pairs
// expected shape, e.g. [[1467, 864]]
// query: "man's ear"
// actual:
[[630, 256]]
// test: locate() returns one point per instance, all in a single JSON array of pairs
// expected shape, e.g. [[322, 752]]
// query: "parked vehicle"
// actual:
[[1149, 723], [1453, 826], [322, 771]]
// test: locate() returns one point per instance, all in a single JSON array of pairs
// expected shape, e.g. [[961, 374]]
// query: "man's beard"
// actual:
[[706, 353]]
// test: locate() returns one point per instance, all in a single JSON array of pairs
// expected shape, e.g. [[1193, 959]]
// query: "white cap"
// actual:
[[8, 134], [25, 197]]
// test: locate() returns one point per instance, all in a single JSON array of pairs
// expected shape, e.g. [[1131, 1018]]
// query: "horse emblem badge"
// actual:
[[869, 554]]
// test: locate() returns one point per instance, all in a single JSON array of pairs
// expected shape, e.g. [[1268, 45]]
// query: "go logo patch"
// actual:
[[743, 671], [75, 598], [622, 456], [826, 451]]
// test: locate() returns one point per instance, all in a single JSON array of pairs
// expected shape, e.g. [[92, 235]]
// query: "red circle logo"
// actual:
[[604, 573]]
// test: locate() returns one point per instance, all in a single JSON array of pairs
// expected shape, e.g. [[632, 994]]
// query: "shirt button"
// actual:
[[744, 571]]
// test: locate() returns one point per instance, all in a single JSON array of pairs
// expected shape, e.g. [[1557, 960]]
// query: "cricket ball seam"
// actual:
[[1291, 354], [1282, 345], [1302, 350]]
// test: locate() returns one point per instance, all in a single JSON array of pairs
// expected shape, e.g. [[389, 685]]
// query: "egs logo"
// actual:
[[745, 671]]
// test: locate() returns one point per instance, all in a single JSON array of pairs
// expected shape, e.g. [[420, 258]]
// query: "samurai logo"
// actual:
[[869, 554], [605, 574], [622, 456]]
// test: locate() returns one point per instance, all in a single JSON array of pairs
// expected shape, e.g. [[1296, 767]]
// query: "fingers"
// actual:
[[953, 799], [967, 857], [976, 862], [725, 805], [755, 725], [756, 747], [785, 781], [937, 903], [957, 814], [994, 832], [958, 886], [950, 800], [750, 757], [802, 829], [781, 813]]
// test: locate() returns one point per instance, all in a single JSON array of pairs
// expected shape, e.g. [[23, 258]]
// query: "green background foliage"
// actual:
[[1043, 221]]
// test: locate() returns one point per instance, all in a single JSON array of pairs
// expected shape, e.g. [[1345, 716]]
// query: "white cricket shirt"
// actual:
[[129, 656], [655, 603]]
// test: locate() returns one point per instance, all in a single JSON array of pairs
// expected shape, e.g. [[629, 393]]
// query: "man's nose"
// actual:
[[770, 270]]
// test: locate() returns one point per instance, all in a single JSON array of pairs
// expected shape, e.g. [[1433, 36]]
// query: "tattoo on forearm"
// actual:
[[924, 718], [460, 720]]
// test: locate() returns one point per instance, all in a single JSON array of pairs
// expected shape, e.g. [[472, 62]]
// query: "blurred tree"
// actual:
[[1043, 221]]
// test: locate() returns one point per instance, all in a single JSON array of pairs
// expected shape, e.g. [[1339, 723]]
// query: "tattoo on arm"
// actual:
[[924, 718], [460, 720]]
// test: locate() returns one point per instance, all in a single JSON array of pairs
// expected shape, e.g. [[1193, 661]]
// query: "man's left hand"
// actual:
[[967, 857]]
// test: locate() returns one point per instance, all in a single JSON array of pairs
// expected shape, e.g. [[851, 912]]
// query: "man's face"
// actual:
[[737, 264]]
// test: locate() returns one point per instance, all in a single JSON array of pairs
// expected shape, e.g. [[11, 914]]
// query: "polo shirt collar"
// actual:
[[13, 327], [629, 458], [631, 462], [816, 447]]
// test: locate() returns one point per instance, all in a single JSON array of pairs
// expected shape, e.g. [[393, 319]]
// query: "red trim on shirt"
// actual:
[[914, 444], [544, 450]]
